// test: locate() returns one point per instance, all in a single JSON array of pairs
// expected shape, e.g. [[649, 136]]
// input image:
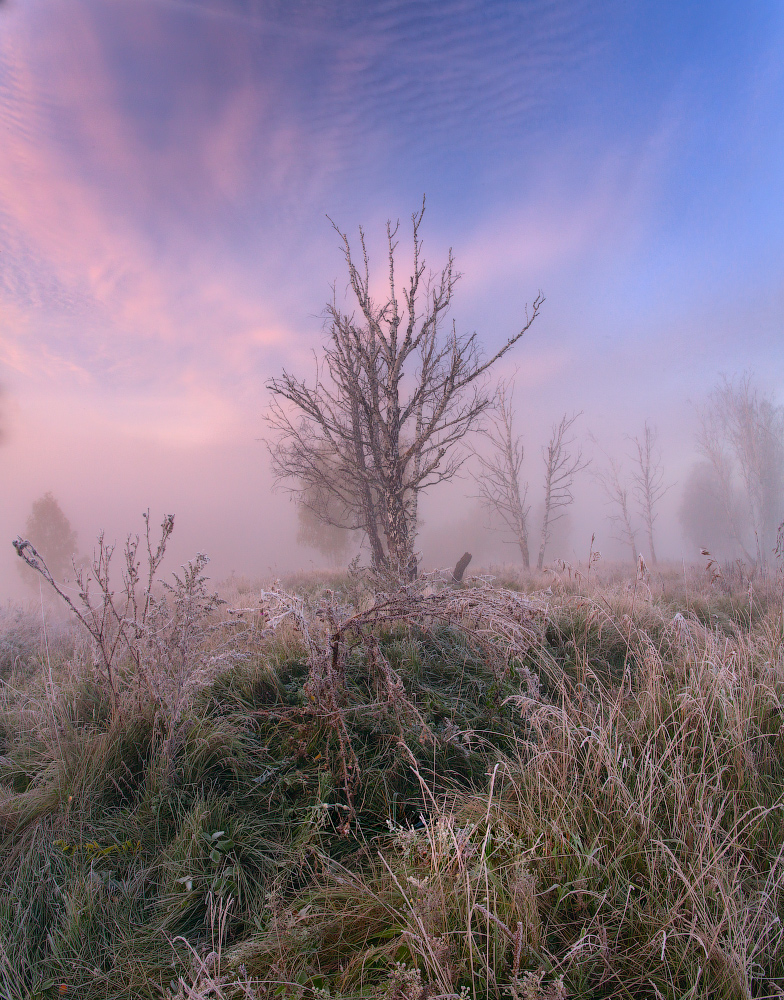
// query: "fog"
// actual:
[[224, 503], [166, 173]]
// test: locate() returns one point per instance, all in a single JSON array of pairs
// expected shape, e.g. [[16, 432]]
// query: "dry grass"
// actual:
[[570, 787]]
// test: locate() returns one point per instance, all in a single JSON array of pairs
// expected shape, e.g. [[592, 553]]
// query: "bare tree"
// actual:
[[498, 480], [741, 436], [648, 480], [561, 463], [393, 397], [617, 492]]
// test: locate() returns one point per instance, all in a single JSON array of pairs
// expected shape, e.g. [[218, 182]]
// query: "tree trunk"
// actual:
[[545, 528], [523, 542], [650, 543], [399, 537]]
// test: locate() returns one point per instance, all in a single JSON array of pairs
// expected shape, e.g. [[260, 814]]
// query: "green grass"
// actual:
[[455, 806]]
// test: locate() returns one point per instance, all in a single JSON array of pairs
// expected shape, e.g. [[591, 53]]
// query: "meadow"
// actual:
[[533, 787]]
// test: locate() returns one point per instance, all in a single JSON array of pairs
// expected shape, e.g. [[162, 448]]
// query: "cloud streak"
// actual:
[[166, 168]]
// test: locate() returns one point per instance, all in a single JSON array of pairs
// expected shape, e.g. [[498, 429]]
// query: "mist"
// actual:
[[165, 180], [224, 501]]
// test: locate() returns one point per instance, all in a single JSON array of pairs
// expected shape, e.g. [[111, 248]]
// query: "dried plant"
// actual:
[[208, 981], [170, 642], [179, 645], [111, 620], [501, 625]]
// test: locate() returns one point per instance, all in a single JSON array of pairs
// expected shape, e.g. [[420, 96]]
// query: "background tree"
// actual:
[[51, 533], [319, 526], [648, 481], [703, 515], [393, 398], [617, 492], [500, 489], [741, 436], [562, 462]]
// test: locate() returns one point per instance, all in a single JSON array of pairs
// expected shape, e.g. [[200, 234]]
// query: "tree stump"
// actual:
[[460, 568]]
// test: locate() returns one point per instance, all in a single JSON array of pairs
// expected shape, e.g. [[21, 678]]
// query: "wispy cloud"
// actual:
[[87, 285], [166, 167]]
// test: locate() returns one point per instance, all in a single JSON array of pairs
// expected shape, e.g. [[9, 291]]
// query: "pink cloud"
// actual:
[[87, 288]]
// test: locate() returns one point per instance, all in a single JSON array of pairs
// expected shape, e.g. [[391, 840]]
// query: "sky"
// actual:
[[169, 169]]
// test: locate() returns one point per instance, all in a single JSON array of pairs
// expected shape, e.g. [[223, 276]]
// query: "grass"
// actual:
[[547, 789]]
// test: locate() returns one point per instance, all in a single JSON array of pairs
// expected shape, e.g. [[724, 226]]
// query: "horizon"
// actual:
[[166, 176]]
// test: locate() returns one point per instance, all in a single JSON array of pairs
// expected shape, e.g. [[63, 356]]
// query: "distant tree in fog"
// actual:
[[394, 397], [330, 541], [617, 492], [501, 489], [320, 525], [741, 437], [703, 515], [498, 480], [563, 459], [648, 481], [51, 533]]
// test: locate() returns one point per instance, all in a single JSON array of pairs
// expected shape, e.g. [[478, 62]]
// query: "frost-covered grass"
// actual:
[[535, 787]]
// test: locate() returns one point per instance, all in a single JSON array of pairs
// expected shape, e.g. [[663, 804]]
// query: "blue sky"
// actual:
[[167, 166]]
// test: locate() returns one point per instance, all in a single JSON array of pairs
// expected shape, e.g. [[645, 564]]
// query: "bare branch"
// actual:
[[562, 463], [648, 480], [498, 481], [617, 493], [393, 399]]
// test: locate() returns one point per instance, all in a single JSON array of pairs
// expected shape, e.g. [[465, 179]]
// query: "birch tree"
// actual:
[[394, 396]]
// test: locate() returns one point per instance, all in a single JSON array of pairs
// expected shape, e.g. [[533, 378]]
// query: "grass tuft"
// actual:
[[443, 792]]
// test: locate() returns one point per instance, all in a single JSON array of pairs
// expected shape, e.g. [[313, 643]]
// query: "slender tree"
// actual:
[[562, 462], [498, 478], [648, 481], [394, 396], [617, 492]]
